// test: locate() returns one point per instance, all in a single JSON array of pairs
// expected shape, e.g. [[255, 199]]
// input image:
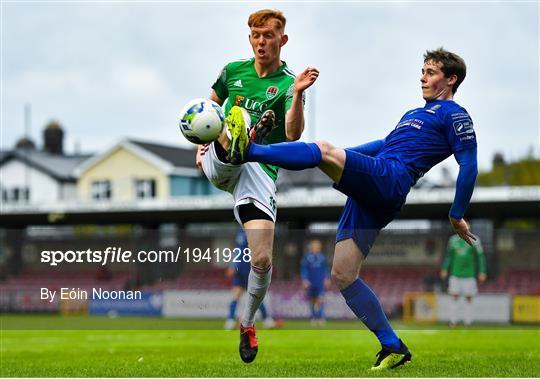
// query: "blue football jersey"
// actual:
[[242, 268], [426, 136], [314, 269]]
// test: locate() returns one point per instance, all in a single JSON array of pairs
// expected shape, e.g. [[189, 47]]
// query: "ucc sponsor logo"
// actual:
[[249, 104]]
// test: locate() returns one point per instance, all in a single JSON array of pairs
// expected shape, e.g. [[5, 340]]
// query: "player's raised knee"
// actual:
[[341, 278], [331, 154], [325, 147]]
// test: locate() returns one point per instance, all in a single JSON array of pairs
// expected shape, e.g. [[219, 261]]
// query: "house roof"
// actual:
[[60, 167], [3, 153], [177, 156], [172, 160]]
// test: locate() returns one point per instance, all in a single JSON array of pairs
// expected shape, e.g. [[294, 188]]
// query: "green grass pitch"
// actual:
[[174, 348]]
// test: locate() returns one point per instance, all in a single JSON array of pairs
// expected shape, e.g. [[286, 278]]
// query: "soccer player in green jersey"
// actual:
[[264, 92], [465, 263]]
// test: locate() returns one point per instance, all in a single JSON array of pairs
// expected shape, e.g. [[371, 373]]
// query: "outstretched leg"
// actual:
[[300, 156]]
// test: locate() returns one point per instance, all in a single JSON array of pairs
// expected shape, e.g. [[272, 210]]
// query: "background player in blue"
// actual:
[[315, 279], [239, 272], [377, 177]]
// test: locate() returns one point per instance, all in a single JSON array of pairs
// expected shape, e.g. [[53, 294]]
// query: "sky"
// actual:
[[110, 70]]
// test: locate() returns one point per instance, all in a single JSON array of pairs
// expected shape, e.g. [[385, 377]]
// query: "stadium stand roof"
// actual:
[[298, 205], [311, 178]]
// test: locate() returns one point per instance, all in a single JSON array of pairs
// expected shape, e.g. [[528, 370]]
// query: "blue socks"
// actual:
[[320, 312], [312, 311], [316, 313], [232, 309], [366, 306], [289, 155], [264, 312]]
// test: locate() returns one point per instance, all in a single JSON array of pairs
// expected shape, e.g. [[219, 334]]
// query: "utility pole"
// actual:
[[311, 131], [27, 125]]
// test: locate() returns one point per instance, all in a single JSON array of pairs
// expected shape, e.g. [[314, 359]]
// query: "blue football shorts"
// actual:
[[376, 190], [240, 280], [315, 291]]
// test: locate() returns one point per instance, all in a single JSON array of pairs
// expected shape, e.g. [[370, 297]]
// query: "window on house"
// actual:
[[25, 194], [101, 190], [145, 188], [15, 195]]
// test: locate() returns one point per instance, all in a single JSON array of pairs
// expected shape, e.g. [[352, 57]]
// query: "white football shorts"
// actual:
[[248, 183], [462, 286]]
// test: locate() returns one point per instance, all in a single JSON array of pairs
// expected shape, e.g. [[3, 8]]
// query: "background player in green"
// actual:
[[261, 88], [464, 263]]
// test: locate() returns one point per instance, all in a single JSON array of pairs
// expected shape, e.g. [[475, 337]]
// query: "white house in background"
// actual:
[[30, 176]]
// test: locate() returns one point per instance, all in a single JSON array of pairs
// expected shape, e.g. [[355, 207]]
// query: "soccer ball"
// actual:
[[201, 121]]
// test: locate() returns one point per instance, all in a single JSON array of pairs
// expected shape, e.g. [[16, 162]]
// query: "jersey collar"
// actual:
[[275, 73]]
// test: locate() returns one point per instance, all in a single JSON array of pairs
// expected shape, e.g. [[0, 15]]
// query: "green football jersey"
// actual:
[[463, 260], [240, 84]]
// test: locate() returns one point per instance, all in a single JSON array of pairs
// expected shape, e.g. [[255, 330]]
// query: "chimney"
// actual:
[[53, 137], [25, 143]]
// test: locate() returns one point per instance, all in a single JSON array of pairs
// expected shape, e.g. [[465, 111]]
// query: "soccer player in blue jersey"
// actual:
[[239, 272], [377, 177], [315, 279]]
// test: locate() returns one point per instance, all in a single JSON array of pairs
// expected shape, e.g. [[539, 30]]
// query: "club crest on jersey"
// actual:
[[271, 92]]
